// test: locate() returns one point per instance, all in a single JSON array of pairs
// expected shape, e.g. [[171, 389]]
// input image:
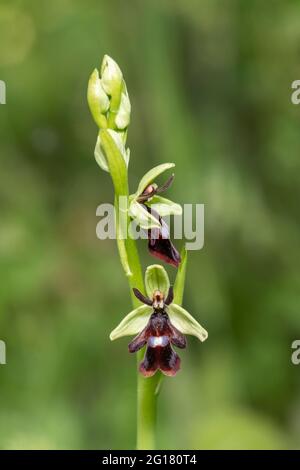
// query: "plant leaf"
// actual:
[[156, 278], [97, 99], [111, 148], [133, 323], [100, 155], [151, 175], [185, 323], [164, 206]]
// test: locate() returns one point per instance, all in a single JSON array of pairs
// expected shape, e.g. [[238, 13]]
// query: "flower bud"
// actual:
[[97, 99], [123, 115], [111, 76]]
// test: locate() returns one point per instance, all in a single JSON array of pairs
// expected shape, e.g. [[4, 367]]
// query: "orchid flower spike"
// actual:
[[159, 324]]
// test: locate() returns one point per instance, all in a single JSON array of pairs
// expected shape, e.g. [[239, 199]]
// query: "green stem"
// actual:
[[147, 392], [146, 387]]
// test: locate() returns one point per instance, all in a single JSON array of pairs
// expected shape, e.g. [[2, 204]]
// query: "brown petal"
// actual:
[[150, 363], [169, 361], [165, 250]]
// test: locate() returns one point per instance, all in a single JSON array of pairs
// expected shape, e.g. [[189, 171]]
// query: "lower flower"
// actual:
[[159, 324]]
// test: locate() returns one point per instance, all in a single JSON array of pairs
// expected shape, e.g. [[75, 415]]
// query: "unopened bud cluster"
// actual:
[[110, 107]]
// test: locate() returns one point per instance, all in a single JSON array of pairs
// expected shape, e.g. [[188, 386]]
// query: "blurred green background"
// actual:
[[210, 86]]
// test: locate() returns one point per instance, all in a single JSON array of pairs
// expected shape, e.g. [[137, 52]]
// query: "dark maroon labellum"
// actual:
[[165, 250], [159, 335], [159, 243]]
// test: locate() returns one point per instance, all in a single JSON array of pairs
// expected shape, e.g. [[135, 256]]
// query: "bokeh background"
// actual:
[[210, 85]]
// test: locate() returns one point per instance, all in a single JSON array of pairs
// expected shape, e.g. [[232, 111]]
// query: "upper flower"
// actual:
[[159, 324], [147, 208]]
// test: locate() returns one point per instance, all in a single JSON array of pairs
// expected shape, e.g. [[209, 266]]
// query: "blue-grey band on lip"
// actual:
[[158, 341]]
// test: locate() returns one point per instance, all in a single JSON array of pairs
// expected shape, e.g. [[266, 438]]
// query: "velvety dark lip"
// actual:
[[159, 244], [164, 249]]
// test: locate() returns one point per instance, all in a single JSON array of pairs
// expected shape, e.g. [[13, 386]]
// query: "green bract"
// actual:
[[100, 155], [156, 278]]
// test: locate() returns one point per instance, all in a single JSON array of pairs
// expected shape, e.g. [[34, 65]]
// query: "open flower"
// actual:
[[159, 324], [148, 208]]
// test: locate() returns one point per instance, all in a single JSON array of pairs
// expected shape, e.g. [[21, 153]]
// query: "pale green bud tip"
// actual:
[[111, 75], [97, 99]]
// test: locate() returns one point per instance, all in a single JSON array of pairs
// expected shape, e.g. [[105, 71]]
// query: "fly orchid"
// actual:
[[159, 324], [148, 208]]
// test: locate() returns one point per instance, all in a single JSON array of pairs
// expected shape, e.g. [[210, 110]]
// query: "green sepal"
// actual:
[[185, 323], [133, 323], [151, 175], [156, 278]]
